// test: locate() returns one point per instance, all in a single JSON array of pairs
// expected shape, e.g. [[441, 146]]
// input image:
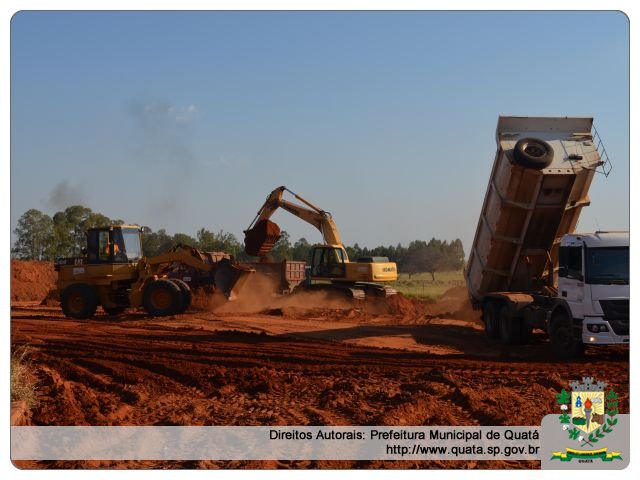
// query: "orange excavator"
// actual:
[[330, 265]]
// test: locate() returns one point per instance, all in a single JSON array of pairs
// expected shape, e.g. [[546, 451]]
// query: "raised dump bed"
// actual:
[[539, 184]]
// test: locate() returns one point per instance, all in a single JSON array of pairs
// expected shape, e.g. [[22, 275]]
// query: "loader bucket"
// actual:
[[260, 240], [229, 277]]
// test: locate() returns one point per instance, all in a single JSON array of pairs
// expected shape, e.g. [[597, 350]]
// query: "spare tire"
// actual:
[[533, 153]]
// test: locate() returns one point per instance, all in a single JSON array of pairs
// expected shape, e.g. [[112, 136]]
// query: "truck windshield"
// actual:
[[607, 266]]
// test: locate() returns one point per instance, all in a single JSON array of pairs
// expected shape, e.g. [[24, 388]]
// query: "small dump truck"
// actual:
[[527, 267]]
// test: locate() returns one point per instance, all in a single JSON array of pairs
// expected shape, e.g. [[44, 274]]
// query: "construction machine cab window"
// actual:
[[328, 262], [132, 246], [113, 245]]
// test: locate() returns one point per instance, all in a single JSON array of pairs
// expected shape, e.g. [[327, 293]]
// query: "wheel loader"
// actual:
[[331, 268], [114, 274]]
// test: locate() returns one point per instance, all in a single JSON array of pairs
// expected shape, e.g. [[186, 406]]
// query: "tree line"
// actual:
[[41, 237]]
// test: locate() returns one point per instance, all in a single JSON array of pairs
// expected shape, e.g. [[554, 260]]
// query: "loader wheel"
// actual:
[[564, 340], [490, 317], [185, 292], [533, 153], [162, 298], [509, 326], [79, 301]]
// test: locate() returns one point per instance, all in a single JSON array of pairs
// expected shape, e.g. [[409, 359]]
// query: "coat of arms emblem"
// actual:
[[588, 415]]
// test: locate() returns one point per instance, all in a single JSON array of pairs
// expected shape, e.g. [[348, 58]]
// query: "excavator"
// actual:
[[114, 274], [330, 265]]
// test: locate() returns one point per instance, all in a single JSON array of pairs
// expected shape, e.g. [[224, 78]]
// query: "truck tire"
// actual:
[[533, 153], [526, 332], [162, 298], [510, 326], [564, 343], [79, 301], [490, 318], [185, 292]]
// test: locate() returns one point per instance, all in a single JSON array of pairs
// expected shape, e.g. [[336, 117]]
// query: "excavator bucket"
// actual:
[[260, 240], [229, 277]]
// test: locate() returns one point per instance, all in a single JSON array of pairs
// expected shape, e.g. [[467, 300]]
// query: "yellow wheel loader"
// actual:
[[114, 274], [330, 264]]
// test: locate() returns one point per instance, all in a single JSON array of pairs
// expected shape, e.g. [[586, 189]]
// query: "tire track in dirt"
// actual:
[[139, 371]]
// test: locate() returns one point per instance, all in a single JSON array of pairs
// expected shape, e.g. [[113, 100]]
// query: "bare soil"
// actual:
[[296, 360]]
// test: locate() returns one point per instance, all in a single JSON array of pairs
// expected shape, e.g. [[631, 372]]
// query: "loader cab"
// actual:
[[115, 244], [328, 261]]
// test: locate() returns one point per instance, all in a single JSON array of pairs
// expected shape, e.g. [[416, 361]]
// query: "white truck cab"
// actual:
[[594, 282]]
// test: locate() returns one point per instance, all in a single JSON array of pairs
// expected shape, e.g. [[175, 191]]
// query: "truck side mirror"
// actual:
[[563, 272]]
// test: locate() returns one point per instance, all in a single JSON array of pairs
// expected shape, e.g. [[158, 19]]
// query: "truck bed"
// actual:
[[527, 210]]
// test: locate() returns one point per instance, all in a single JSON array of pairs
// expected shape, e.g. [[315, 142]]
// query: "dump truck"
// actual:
[[114, 274], [528, 268], [331, 268]]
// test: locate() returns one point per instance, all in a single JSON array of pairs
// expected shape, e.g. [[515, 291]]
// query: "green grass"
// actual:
[[422, 286], [23, 386]]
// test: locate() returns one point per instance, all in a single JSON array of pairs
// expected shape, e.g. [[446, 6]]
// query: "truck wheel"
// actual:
[[533, 153], [185, 292], [563, 338], [490, 317], [509, 326], [79, 301], [162, 298], [526, 332]]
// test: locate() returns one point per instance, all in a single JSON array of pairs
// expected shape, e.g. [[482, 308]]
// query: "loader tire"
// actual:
[[533, 153], [490, 318], [162, 298], [79, 301], [185, 292], [565, 342]]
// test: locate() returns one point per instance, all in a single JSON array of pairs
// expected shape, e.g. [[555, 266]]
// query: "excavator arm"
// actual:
[[262, 234]]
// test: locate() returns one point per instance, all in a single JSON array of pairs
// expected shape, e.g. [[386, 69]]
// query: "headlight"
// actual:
[[597, 327]]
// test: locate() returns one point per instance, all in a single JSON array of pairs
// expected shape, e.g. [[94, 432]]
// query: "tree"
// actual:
[[182, 238], [70, 227], [301, 250], [221, 241], [34, 236], [282, 249], [155, 243]]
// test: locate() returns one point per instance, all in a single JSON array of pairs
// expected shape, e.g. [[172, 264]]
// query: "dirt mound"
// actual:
[[407, 307], [31, 280], [454, 303]]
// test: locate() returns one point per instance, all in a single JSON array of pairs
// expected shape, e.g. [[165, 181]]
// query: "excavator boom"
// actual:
[[262, 234]]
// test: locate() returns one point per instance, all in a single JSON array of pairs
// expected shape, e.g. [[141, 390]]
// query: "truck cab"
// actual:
[[593, 280]]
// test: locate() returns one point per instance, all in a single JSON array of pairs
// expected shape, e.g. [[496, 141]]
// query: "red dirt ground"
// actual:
[[31, 280], [298, 360]]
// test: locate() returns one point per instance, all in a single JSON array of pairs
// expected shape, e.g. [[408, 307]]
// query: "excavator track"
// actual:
[[376, 290], [349, 291]]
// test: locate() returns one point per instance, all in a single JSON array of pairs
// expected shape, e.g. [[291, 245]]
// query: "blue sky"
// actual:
[[386, 119]]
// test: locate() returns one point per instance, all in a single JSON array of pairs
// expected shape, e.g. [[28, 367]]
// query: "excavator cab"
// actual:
[[328, 261], [114, 244]]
